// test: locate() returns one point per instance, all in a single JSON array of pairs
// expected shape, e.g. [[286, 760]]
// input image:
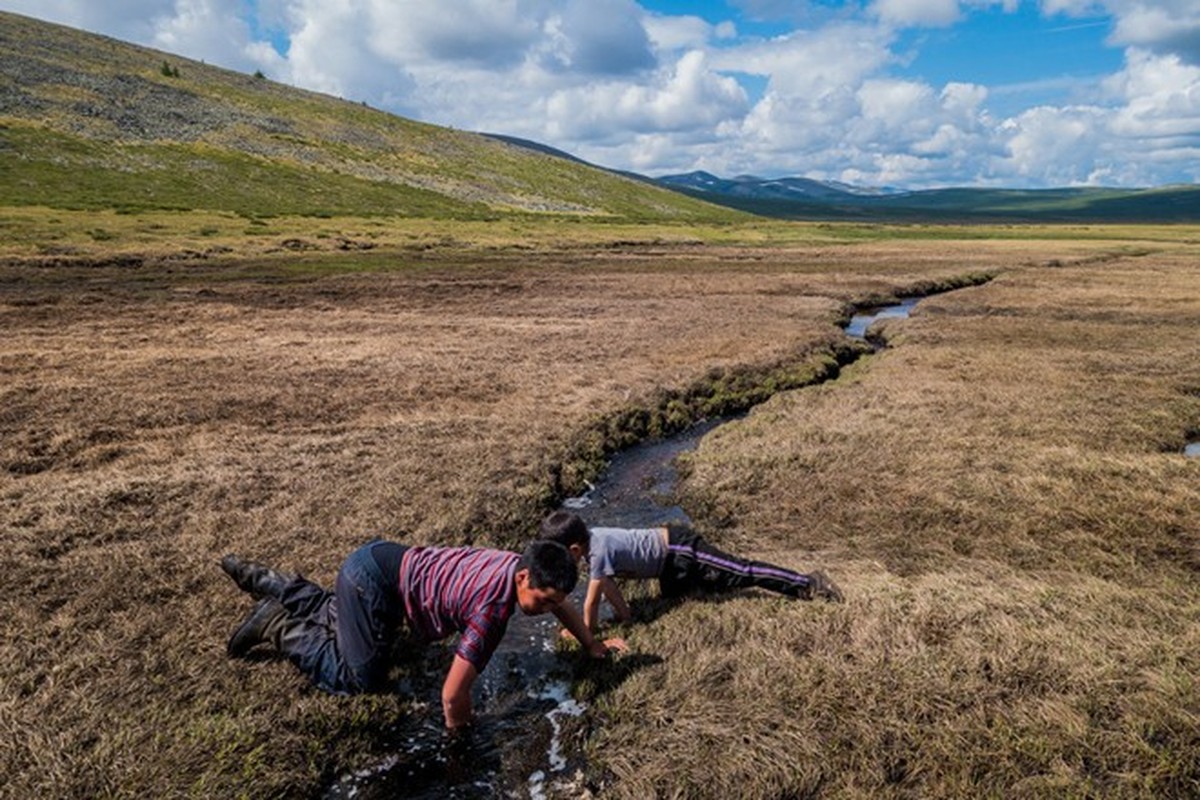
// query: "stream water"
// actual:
[[523, 697], [861, 321], [1192, 450]]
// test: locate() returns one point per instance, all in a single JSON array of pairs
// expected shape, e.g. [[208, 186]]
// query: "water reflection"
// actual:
[[861, 321], [638, 488]]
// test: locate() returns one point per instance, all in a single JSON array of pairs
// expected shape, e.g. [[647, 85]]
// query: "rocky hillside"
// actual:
[[91, 122]]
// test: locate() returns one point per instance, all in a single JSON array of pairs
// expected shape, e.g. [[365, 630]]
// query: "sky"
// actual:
[[907, 94]]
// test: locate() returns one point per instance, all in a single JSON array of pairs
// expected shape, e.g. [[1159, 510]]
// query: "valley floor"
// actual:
[[1001, 493]]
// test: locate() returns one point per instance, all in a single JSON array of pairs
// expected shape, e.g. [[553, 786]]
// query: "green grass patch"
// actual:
[[43, 167]]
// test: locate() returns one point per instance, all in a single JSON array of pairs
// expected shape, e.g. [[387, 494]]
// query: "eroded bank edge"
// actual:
[[508, 518]]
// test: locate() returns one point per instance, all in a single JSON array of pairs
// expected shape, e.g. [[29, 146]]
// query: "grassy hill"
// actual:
[[88, 122]]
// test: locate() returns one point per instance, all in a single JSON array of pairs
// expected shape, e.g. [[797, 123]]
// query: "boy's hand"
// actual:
[[455, 752], [614, 645], [566, 634]]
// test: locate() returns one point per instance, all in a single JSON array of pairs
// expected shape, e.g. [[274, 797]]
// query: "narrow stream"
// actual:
[[1192, 450], [524, 695], [861, 321]]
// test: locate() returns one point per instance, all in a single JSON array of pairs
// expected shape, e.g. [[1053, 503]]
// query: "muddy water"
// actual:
[[637, 490], [515, 748], [523, 697]]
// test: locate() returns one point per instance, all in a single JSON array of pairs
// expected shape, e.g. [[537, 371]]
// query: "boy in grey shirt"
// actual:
[[675, 554]]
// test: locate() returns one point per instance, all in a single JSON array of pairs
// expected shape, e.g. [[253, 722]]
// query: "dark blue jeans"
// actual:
[[342, 639]]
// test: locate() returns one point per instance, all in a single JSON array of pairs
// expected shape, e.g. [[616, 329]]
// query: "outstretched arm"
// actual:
[[456, 693], [613, 593], [591, 604], [598, 588]]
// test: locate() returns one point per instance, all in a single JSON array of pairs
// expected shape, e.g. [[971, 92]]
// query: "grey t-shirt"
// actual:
[[625, 552]]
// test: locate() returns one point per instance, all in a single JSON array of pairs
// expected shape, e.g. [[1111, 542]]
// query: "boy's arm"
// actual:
[[591, 604], [456, 692], [613, 593], [571, 620]]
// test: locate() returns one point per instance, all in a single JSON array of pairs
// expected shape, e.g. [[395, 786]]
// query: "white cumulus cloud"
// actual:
[[917, 12], [1061, 144], [688, 96], [1165, 26]]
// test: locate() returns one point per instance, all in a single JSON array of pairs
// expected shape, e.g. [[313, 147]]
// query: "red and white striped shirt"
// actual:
[[465, 590]]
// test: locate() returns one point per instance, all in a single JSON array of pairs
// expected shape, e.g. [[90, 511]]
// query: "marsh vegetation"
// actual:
[[1002, 493]]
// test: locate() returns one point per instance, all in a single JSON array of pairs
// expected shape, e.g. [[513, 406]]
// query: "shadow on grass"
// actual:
[[597, 678], [648, 608]]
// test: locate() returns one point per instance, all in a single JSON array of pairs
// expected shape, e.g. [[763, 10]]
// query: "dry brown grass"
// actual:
[[157, 416], [1003, 496]]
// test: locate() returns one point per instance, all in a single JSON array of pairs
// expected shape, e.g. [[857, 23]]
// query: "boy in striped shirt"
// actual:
[[342, 639], [677, 556]]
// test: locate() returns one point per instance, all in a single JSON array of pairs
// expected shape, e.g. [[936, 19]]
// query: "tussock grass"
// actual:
[[979, 682], [1019, 556], [1002, 495]]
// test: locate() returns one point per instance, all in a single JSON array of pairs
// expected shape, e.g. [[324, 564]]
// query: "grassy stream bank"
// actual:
[[1000, 494]]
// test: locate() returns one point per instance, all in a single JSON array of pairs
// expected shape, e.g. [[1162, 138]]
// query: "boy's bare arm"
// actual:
[[456, 692], [613, 593], [591, 604]]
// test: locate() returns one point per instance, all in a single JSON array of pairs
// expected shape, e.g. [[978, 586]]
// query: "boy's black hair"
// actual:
[[565, 528], [550, 566]]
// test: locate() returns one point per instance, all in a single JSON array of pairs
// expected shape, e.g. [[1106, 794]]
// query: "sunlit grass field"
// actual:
[[1004, 493], [1001, 493]]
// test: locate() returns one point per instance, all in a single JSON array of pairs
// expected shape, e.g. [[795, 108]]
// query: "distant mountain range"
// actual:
[[752, 186], [804, 198]]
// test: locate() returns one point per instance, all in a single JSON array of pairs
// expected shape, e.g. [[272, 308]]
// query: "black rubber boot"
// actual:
[[257, 579], [261, 627]]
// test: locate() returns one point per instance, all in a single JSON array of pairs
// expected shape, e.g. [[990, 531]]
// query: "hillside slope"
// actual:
[[90, 122]]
